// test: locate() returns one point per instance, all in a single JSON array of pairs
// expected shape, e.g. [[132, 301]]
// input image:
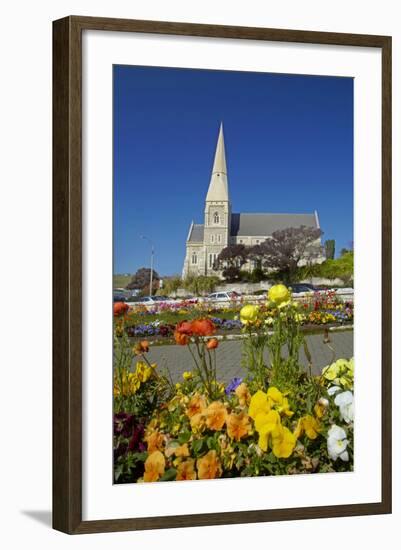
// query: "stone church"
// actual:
[[222, 227]]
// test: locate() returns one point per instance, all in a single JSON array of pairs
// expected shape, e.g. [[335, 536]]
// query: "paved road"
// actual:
[[178, 359]]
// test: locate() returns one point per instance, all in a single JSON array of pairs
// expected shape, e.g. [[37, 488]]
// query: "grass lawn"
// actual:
[[121, 281]]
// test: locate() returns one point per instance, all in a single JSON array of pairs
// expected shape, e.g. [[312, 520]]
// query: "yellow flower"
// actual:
[[320, 408], [197, 422], [216, 415], [209, 466], [187, 375], [276, 399], [243, 394], [143, 372], [283, 442], [258, 404], [309, 425], [186, 470], [154, 466], [265, 424], [238, 425], [249, 314], [279, 294]]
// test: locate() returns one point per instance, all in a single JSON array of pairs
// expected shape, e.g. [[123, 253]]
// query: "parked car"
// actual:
[[302, 287], [150, 300], [223, 296], [117, 297]]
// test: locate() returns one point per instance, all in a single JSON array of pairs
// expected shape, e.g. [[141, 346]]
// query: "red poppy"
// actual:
[[120, 308], [180, 338], [142, 347], [212, 343], [203, 327], [184, 327]]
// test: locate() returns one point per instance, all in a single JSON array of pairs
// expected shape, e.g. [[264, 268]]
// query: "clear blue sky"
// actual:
[[289, 148]]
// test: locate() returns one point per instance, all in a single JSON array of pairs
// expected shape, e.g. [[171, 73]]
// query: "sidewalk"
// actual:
[[178, 358]]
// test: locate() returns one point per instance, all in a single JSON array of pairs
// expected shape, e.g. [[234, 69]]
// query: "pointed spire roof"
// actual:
[[218, 187], [219, 165]]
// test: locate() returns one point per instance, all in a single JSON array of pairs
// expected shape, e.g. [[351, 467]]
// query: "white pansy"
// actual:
[[333, 389], [345, 402], [337, 443]]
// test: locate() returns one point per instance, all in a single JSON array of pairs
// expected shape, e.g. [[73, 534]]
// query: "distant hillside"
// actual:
[[121, 281]]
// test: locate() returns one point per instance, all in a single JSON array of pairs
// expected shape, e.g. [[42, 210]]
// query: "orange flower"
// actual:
[[120, 308], [186, 470], [212, 344], [184, 327], [154, 466], [196, 405], [243, 394], [203, 327], [209, 466], [155, 441], [216, 415], [181, 338], [238, 425]]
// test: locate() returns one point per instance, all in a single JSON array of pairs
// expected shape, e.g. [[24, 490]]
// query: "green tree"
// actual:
[[330, 249], [141, 280], [171, 285]]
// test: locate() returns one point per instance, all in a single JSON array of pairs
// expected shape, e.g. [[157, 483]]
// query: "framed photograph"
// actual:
[[222, 275]]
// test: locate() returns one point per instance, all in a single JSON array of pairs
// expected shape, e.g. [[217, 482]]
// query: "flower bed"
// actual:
[[279, 419], [318, 309]]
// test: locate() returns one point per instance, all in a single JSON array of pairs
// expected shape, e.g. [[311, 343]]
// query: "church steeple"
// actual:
[[218, 186]]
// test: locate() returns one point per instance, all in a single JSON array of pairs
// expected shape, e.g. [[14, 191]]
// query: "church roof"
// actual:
[[196, 235], [258, 225], [265, 224]]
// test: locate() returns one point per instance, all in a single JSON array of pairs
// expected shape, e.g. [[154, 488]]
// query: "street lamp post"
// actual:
[[152, 253]]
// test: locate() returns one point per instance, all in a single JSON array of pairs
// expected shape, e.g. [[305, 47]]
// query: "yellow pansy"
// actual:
[[265, 424], [276, 399], [143, 371], [187, 375], [259, 404], [283, 442], [308, 425]]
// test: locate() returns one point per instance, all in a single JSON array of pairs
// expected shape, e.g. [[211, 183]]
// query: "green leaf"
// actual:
[[184, 437], [169, 475], [211, 443], [198, 446]]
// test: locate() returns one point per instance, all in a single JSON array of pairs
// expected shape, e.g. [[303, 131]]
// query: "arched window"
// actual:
[[212, 239], [194, 258], [216, 218]]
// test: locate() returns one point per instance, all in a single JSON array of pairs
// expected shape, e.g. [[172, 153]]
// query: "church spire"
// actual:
[[218, 187], [219, 166]]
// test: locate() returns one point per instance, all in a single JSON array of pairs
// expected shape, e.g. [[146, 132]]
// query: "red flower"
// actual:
[[203, 327], [142, 347], [120, 308], [212, 344], [185, 327], [181, 338]]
